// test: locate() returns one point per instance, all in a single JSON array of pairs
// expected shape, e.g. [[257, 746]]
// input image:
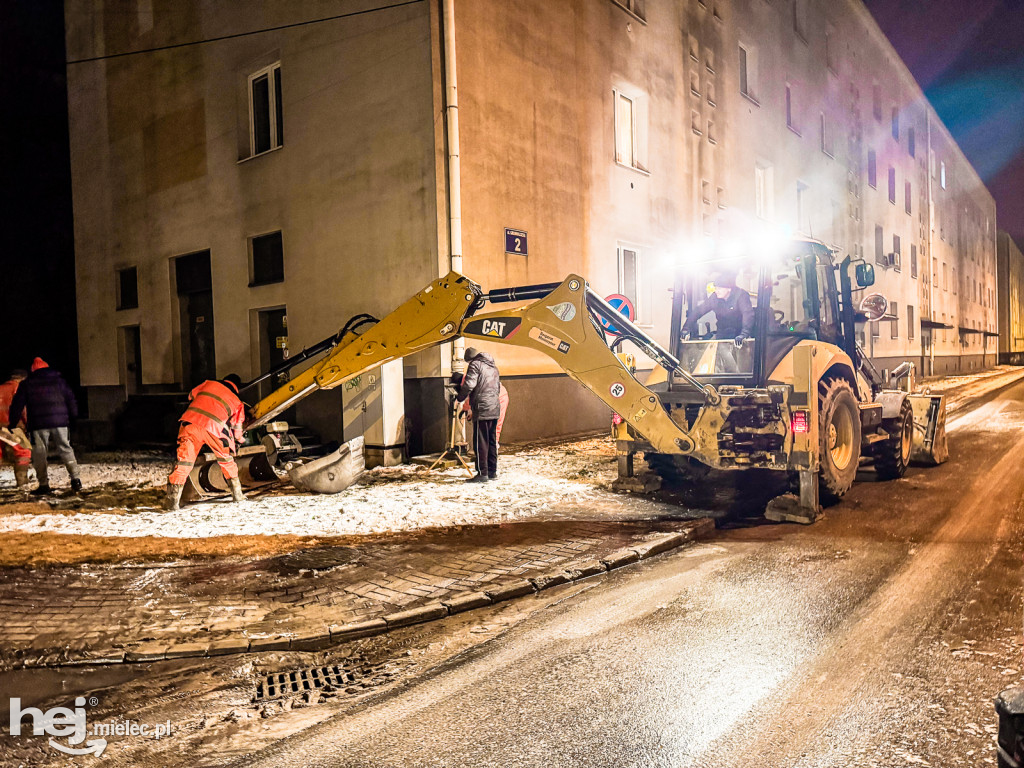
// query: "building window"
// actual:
[[826, 137], [800, 19], [633, 283], [945, 277], [694, 48], [913, 260], [911, 142], [695, 84], [907, 201], [894, 322], [705, 191], [910, 321], [874, 329], [748, 72], [892, 185], [876, 102], [710, 89], [879, 246], [267, 259], [896, 123], [872, 169], [636, 7], [128, 288], [712, 137], [897, 252], [709, 61], [630, 131], [266, 118], [830, 51], [764, 195], [695, 122], [942, 175], [790, 109]]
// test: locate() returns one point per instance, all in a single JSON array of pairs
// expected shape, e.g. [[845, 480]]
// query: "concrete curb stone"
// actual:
[[548, 580], [357, 629], [619, 558], [510, 589], [466, 602], [417, 615], [585, 570]]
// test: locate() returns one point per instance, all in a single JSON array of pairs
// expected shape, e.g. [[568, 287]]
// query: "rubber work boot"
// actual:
[[236, 489], [42, 490], [76, 484], [173, 499], [21, 476]]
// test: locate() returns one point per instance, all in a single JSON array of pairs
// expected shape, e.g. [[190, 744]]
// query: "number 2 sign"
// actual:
[[515, 242]]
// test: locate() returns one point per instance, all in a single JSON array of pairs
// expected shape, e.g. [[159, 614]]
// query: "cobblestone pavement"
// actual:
[[305, 599]]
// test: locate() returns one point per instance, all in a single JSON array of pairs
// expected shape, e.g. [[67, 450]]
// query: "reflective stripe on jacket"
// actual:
[[215, 407], [7, 390]]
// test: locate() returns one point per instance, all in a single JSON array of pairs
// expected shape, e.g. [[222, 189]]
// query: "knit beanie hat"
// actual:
[[39, 363]]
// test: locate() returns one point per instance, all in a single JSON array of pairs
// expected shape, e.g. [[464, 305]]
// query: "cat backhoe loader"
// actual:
[[797, 397]]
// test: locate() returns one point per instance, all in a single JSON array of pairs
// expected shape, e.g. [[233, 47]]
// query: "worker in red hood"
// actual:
[[48, 405], [15, 442], [214, 418]]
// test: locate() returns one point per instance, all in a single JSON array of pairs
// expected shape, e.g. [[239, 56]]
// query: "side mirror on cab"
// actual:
[[873, 306], [865, 275]]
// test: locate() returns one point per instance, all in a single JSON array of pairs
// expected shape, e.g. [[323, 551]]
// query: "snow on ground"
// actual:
[[565, 481]]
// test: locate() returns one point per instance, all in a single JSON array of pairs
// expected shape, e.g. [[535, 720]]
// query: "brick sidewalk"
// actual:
[[307, 599]]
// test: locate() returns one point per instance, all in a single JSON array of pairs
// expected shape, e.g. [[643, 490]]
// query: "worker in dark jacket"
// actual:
[[483, 388], [734, 313], [48, 404]]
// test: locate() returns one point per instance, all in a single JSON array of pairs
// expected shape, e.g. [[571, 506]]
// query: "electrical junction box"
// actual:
[[373, 405]]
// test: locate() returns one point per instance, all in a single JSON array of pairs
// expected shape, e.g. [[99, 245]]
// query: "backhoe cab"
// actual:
[[805, 399]]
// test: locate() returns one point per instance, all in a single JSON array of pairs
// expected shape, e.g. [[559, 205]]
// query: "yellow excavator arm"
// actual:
[[564, 323]]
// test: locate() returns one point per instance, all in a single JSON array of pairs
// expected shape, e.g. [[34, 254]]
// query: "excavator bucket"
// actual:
[[332, 473], [929, 446]]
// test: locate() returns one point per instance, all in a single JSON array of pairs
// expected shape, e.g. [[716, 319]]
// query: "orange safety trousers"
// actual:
[[191, 440]]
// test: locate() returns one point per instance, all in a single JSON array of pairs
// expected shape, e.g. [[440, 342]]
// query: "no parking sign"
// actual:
[[621, 304]]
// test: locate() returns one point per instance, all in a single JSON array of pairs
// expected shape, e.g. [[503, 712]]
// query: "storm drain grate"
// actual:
[[299, 681]]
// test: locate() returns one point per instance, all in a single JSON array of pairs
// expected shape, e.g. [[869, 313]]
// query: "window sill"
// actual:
[[271, 282], [795, 131], [750, 98], [641, 171], [260, 154], [628, 12]]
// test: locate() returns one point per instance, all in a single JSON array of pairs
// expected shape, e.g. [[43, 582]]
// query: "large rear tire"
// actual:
[[893, 455], [839, 435]]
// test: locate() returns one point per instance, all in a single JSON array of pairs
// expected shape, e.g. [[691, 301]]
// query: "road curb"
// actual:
[[319, 638]]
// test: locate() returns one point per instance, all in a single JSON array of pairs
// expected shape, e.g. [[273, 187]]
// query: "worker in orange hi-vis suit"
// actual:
[[13, 444], [214, 418]]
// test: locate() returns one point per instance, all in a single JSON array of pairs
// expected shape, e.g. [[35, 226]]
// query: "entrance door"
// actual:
[[131, 375], [273, 347], [195, 300]]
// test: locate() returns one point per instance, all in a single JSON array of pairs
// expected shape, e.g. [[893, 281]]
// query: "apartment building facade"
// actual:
[[249, 175], [1010, 281]]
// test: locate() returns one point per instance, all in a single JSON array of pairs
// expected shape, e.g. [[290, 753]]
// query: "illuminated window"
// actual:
[[748, 71], [636, 7], [942, 175], [266, 117], [634, 284], [631, 131]]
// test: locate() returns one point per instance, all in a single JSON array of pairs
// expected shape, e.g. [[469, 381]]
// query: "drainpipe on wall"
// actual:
[[454, 173]]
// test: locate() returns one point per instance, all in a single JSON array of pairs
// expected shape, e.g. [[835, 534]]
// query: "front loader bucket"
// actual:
[[929, 446]]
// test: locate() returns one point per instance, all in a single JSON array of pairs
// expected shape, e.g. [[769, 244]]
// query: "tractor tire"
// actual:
[[839, 435], [893, 455]]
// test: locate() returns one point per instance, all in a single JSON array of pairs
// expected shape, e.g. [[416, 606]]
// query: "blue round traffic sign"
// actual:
[[622, 305]]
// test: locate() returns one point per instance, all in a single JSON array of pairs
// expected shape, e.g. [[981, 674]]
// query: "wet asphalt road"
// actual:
[[876, 637]]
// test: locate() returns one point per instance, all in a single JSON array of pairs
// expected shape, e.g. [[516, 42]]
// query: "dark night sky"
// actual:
[[968, 56]]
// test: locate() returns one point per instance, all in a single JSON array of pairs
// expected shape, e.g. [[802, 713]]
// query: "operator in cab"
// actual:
[[734, 313]]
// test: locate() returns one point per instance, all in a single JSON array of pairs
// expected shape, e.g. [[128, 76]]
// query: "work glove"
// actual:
[[738, 341]]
